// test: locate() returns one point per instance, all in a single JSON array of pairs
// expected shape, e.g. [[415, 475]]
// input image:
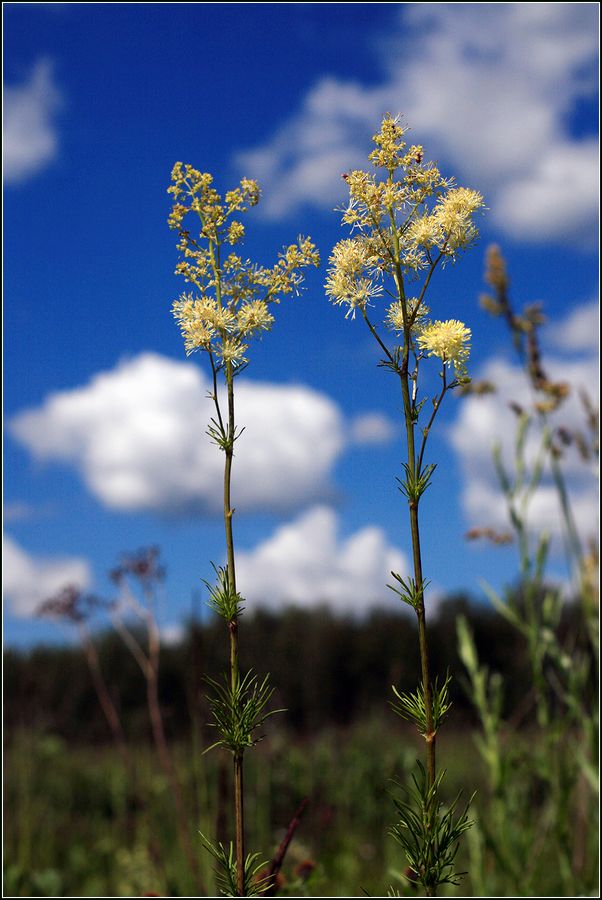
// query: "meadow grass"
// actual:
[[76, 826]]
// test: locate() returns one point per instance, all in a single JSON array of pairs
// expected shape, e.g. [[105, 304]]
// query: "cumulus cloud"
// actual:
[[488, 88], [372, 428], [137, 436], [306, 563], [580, 332], [29, 132], [29, 580], [486, 420]]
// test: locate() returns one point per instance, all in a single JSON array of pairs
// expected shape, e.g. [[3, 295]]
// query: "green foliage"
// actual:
[[412, 706], [223, 600], [351, 665], [225, 871], [72, 810], [410, 593], [542, 784], [238, 707], [416, 481], [221, 436], [429, 832]]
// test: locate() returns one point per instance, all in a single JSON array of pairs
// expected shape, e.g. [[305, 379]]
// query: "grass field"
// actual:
[[76, 825]]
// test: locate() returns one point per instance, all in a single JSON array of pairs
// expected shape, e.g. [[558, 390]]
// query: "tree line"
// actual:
[[329, 670]]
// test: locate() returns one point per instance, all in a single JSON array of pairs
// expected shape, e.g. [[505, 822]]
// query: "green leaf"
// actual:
[[239, 710], [409, 592], [222, 599], [226, 873], [429, 832]]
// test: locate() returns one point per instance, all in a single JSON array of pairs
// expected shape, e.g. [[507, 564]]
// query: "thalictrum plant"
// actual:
[[230, 302], [407, 221]]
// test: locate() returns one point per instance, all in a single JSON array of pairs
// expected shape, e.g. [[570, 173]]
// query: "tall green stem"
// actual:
[[414, 500], [418, 576], [233, 631]]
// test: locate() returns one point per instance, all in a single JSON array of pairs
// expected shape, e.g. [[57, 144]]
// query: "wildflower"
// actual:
[[424, 231], [196, 320], [447, 340], [250, 190], [349, 281], [416, 313], [453, 214], [253, 317], [236, 232], [231, 350], [389, 144], [233, 292]]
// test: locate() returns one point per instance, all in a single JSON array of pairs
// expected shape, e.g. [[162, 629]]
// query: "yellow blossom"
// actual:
[[236, 232], [417, 216], [351, 276], [448, 340], [253, 317], [389, 144], [195, 318], [396, 318], [453, 213], [231, 350], [232, 292], [250, 190]]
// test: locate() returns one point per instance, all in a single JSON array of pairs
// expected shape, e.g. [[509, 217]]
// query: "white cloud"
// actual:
[[489, 89], [137, 436], [580, 332], [306, 563], [485, 420], [372, 428], [29, 133], [558, 197], [29, 580]]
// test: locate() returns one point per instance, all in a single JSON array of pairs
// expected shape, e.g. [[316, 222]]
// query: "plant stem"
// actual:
[[418, 576], [413, 501], [240, 824], [233, 631], [104, 697]]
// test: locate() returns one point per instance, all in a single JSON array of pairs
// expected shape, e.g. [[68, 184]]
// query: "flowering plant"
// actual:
[[230, 305], [407, 221]]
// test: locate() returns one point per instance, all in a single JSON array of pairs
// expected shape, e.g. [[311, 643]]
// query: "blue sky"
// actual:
[[101, 411]]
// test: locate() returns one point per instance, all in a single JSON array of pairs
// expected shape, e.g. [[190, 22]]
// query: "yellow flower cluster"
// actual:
[[347, 281], [449, 226], [447, 340], [412, 217], [416, 311], [207, 326], [409, 218], [232, 294]]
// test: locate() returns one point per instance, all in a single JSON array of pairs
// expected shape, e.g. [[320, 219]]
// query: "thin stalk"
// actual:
[[240, 824], [104, 698], [228, 446], [233, 632], [436, 408], [149, 665], [430, 736]]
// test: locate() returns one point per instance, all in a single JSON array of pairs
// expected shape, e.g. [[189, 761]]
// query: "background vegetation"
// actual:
[[77, 823]]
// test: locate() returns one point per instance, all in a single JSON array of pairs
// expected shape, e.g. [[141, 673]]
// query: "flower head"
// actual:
[[352, 275], [416, 313], [232, 293], [418, 216], [447, 340], [253, 317]]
